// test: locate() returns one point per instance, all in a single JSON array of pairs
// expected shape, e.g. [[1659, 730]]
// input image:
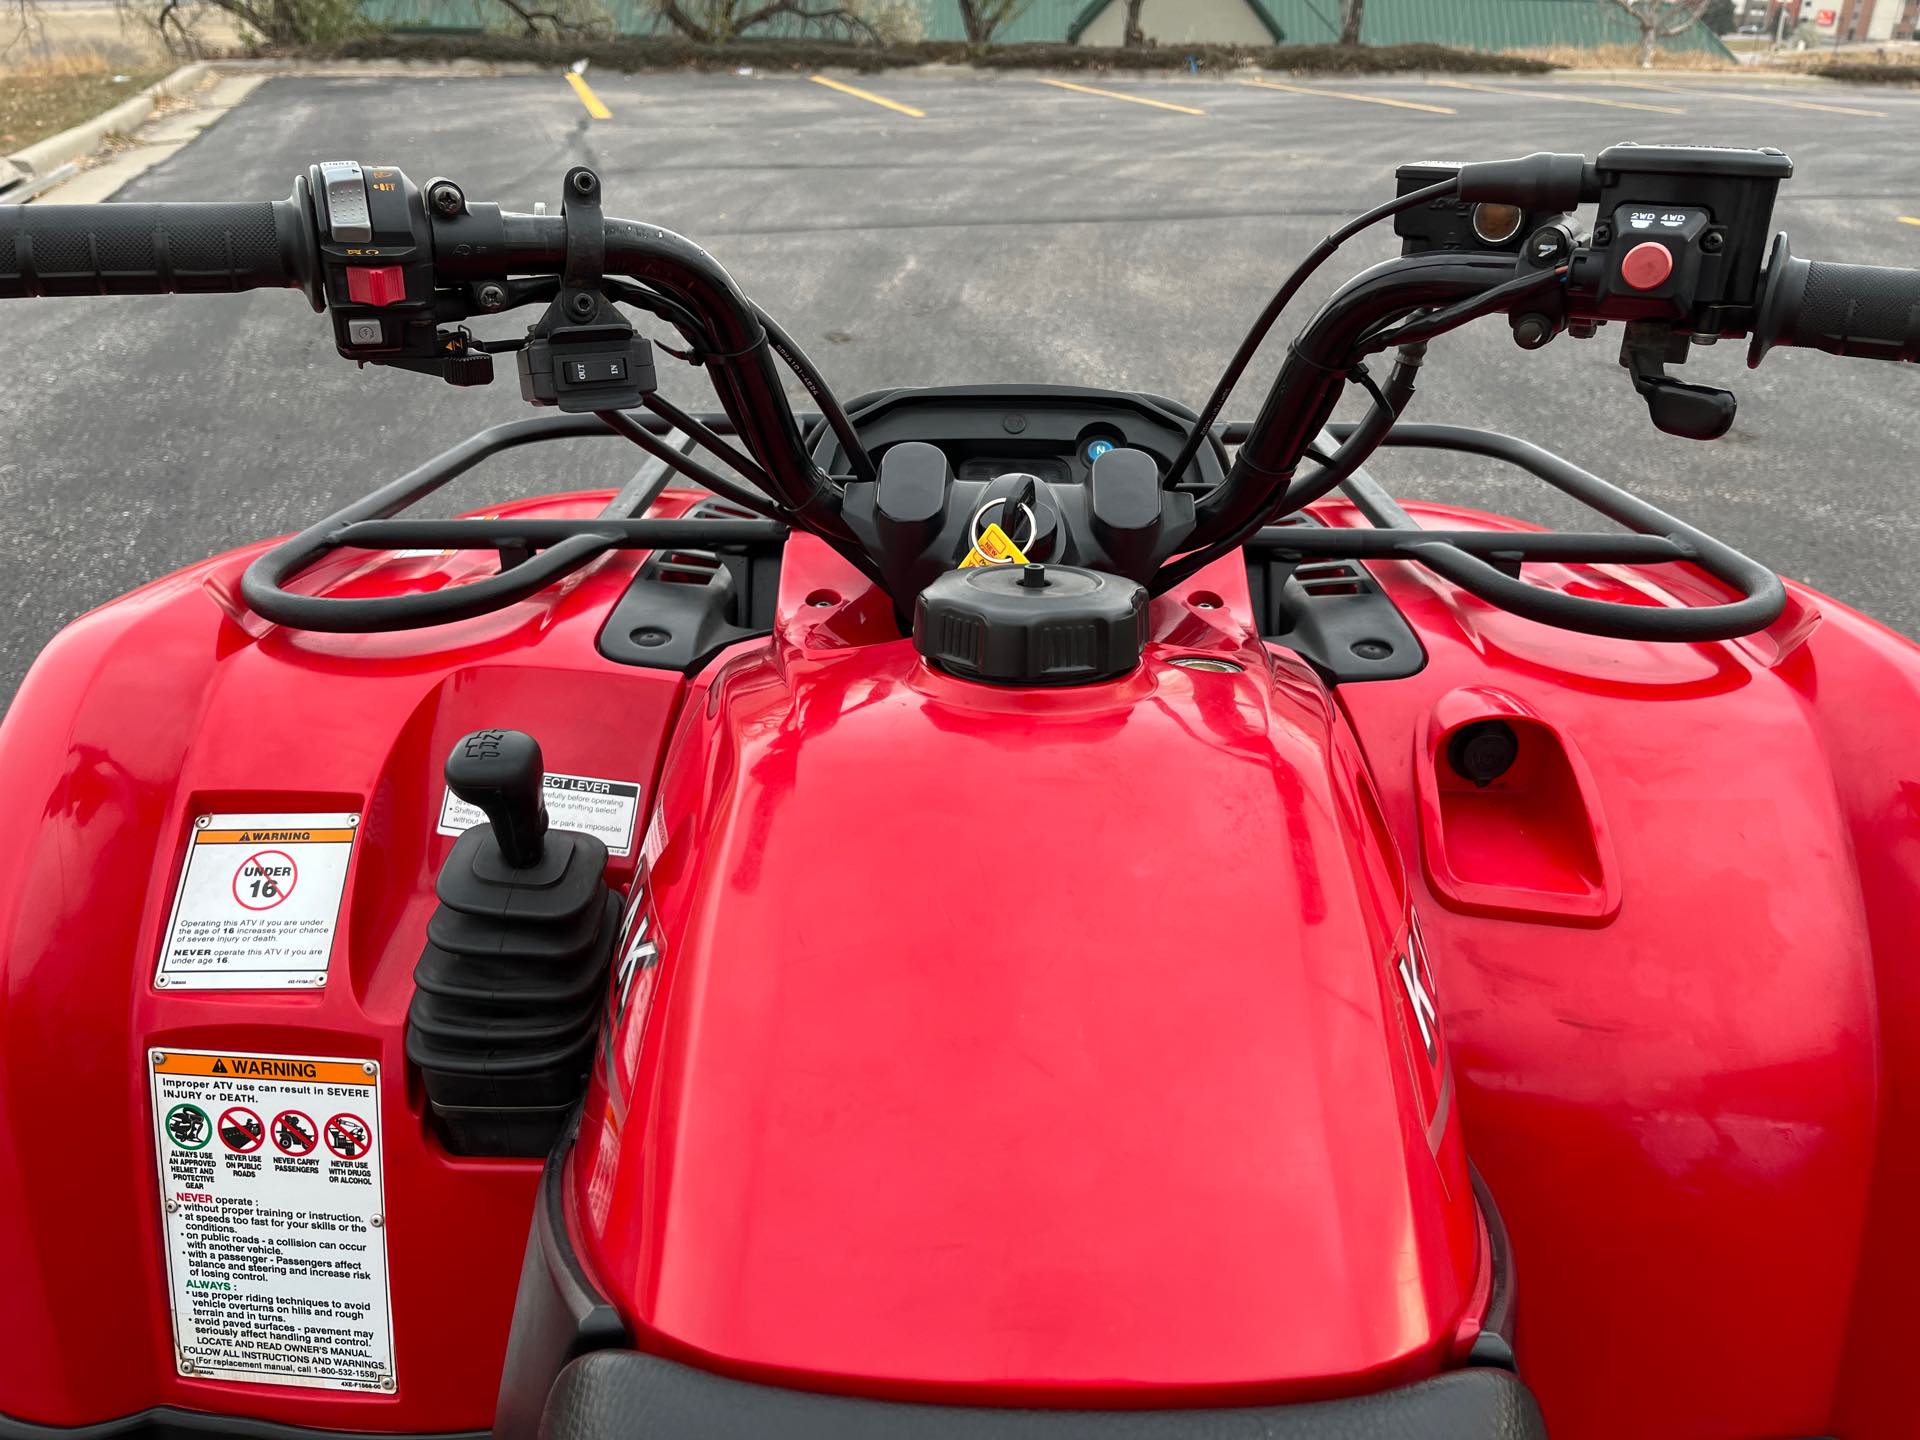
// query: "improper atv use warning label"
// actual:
[[258, 902], [275, 1215], [602, 808]]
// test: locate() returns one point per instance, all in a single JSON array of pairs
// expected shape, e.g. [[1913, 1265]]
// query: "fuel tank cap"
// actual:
[[1031, 624]]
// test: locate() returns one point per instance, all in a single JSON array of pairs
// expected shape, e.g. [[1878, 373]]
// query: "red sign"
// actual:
[[348, 1137], [241, 1130], [293, 1132], [1824, 19]]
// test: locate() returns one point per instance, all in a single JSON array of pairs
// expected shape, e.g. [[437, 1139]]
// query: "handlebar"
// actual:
[[156, 248], [1675, 251], [1866, 310]]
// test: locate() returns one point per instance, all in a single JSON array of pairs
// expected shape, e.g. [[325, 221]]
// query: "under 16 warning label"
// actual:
[[603, 808], [275, 1212], [258, 902]]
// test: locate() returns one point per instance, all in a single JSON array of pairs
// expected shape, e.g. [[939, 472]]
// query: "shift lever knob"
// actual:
[[500, 772]]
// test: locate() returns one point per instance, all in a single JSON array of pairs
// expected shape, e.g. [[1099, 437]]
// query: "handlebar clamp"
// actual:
[[584, 355]]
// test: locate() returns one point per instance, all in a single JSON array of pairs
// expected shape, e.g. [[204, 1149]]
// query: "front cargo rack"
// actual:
[[537, 553]]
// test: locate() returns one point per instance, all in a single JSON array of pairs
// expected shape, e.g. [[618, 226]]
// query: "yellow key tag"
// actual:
[[994, 547]]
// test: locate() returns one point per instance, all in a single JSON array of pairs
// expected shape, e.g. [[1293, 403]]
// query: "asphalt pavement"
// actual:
[[922, 227]]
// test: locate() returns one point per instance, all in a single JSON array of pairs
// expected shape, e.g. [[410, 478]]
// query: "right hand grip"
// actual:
[[1867, 310], [155, 249]]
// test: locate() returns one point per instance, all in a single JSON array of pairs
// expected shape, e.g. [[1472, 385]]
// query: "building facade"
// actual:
[[1846, 20]]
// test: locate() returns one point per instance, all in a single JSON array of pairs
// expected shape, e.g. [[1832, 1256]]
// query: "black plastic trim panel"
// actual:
[[1039, 427], [685, 606], [625, 1395], [1332, 612], [559, 1314], [1494, 1344], [168, 1422]]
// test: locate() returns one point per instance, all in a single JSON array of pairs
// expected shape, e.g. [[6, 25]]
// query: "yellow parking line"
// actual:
[[1557, 95], [1116, 95], [1349, 95], [1751, 99], [587, 98], [1907, 220], [868, 96]]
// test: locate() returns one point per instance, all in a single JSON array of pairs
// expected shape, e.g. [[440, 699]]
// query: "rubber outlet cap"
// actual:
[[1031, 624]]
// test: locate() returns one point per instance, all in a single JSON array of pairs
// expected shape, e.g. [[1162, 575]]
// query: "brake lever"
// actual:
[[1693, 412]]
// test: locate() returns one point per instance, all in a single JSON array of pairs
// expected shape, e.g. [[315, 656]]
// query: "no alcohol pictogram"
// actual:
[[294, 1132], [241, 1130], [349, 1137], [265, 879]]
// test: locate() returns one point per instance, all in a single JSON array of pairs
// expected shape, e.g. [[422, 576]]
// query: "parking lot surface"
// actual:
[[922, 227]]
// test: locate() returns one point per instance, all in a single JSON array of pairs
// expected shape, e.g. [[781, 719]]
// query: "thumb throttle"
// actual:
[[1865, 310]]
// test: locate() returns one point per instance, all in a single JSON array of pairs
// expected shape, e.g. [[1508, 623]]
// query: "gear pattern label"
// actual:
[[258, 903], [276, 1229]]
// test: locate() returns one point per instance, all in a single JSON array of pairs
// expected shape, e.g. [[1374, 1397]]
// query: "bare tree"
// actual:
[[1134, 37], [307, 22], [22, 27], [715, 22], [271, 22], [1660, 20], [1352, 12], [983, 19], [562, 18]]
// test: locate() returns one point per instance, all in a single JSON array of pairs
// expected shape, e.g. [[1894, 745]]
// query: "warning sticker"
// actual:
[[605, 808], [276, 1231], [258, 902]]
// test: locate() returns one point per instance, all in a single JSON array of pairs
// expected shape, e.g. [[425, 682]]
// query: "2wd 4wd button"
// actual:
[[376, 284], [1647, 265]]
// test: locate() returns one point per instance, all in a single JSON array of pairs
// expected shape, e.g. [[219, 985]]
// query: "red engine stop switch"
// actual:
[[1647, 265], [380, 284]]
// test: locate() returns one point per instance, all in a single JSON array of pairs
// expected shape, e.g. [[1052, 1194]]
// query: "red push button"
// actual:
[[1647, 265], [385, 285]]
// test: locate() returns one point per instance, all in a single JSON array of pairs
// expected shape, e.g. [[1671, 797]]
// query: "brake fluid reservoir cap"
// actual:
[[1031, 624]]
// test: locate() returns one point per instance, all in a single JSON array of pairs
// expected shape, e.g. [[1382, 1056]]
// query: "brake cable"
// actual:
[[784, 345], [1434, 323], [1335, 469], [1223, 388]]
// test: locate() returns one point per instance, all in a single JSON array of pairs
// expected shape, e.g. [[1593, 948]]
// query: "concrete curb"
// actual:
[[1746, 76], [126, 117]]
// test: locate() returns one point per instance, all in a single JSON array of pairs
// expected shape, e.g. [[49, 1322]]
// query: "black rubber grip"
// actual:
[[152, 249], [1866, 310]]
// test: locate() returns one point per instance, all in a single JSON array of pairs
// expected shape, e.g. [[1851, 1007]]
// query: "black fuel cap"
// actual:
[[1031, 624]]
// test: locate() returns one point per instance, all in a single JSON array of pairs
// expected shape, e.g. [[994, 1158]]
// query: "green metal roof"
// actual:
[[1514, 25], [1472, 24]]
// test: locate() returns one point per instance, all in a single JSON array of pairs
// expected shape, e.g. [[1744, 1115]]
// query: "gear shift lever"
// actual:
[[501, 773]]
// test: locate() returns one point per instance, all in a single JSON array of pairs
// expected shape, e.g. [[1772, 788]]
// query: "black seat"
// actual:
[[624, 1395]]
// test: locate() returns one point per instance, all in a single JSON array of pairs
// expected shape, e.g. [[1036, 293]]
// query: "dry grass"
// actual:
[[42, 97], [1626, 57], [100, 32]]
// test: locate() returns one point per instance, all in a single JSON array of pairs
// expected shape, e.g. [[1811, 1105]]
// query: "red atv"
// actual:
[[1031, 911]]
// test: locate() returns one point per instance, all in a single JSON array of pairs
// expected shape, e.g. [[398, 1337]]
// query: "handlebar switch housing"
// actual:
[[376, 259], [1709, 207]]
